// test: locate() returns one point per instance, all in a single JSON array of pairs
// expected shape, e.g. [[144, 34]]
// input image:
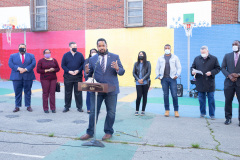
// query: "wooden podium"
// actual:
[[97, 88]]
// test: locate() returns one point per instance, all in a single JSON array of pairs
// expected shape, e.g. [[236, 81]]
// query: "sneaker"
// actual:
[[202, 116], [53, 111], [212, 117], [136, 113], [142, 113], [46, 111]]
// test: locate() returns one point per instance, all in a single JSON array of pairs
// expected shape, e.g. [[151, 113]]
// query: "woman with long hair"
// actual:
[[141, 73]]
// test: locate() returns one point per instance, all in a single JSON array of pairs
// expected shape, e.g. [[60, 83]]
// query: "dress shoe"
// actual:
[[80, 110], [85, 137], [16, 109], [166, 113], [46, 111], [176, 114], [29, 109], [65, 110], [228, 121], [53, 111], [106, 137]]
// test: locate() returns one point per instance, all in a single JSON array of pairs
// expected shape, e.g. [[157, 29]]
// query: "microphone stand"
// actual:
[[94, 142]]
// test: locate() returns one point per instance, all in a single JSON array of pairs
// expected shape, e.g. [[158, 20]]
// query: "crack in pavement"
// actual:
[[217, 141], [125, 142]]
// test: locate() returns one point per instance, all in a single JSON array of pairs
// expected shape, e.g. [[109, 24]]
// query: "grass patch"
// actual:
[[195, 145], [169, 145], [51, 135]]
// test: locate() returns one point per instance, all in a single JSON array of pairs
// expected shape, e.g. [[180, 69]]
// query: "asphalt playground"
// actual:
[[37, 135]]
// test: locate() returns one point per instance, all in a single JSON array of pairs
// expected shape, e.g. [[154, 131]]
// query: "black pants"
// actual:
[[71, 82], [142, 91], [229, 93]]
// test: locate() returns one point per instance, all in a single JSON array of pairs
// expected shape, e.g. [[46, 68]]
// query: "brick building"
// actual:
[[128, 25]]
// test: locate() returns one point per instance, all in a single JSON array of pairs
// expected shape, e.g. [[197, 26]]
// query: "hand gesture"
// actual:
[[115, 65]]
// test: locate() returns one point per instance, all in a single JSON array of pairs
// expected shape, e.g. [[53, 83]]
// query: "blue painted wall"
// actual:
[[219, 40]]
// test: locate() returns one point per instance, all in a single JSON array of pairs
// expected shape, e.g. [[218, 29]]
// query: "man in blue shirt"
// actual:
[[72, 64]]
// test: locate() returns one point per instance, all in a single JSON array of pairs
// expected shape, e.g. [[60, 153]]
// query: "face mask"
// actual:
[[47, 55], [204, 55], [140, 57], [235, 48], [93, 54], [167, 51], [74, 49], [22, 50]]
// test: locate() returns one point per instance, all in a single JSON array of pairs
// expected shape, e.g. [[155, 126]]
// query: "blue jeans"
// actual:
[[172, 84], [19, 86], [88, 101], [111, 103], [211, 103]]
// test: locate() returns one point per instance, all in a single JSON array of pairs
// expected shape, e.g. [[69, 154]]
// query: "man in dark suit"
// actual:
[[231, 70], [22, 76], [107, 71]]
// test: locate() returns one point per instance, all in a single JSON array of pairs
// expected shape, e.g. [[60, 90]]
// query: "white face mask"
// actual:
[[235, 48], [204, 55], [93, 54], [167, 51]]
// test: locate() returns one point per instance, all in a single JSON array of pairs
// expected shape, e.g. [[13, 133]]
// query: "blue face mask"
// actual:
[[47, 55]]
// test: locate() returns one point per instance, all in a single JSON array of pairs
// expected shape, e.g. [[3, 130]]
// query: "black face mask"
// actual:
[[22, 50], [103, 53], [140, 57], [74, 49]]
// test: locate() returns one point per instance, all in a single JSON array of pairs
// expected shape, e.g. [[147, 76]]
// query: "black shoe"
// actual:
[[80, 110], [65, 110], [228, 121], [53, 111], [46, 111]]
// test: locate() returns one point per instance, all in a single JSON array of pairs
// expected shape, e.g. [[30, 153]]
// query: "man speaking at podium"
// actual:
[[106, 67]]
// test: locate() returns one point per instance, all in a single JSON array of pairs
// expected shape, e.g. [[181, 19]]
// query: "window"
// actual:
[[39, 15], [133, 13]]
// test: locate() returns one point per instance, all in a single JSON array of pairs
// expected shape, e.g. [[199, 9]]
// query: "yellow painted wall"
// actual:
[[127, 42]]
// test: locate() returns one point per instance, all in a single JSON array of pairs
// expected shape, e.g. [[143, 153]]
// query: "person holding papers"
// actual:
[[204, 68]]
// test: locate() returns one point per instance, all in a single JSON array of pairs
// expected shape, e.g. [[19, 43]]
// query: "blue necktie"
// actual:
[[103, 64]]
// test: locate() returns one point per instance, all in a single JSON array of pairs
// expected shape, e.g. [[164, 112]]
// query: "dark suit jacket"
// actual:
[[228, 67], [29, 63], [110, 75]]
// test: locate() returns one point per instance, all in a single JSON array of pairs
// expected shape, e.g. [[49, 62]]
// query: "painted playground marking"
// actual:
[[23, 155]]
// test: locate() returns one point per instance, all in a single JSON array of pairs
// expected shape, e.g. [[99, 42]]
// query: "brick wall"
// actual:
[[105, 14]]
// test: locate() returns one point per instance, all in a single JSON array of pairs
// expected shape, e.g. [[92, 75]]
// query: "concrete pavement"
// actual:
[[37, 135]]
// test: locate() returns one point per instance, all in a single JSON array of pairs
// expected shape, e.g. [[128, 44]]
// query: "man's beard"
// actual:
[[102, 52]]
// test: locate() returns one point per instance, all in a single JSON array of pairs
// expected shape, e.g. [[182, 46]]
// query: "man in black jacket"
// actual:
[[205, 82], [231, 70]]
